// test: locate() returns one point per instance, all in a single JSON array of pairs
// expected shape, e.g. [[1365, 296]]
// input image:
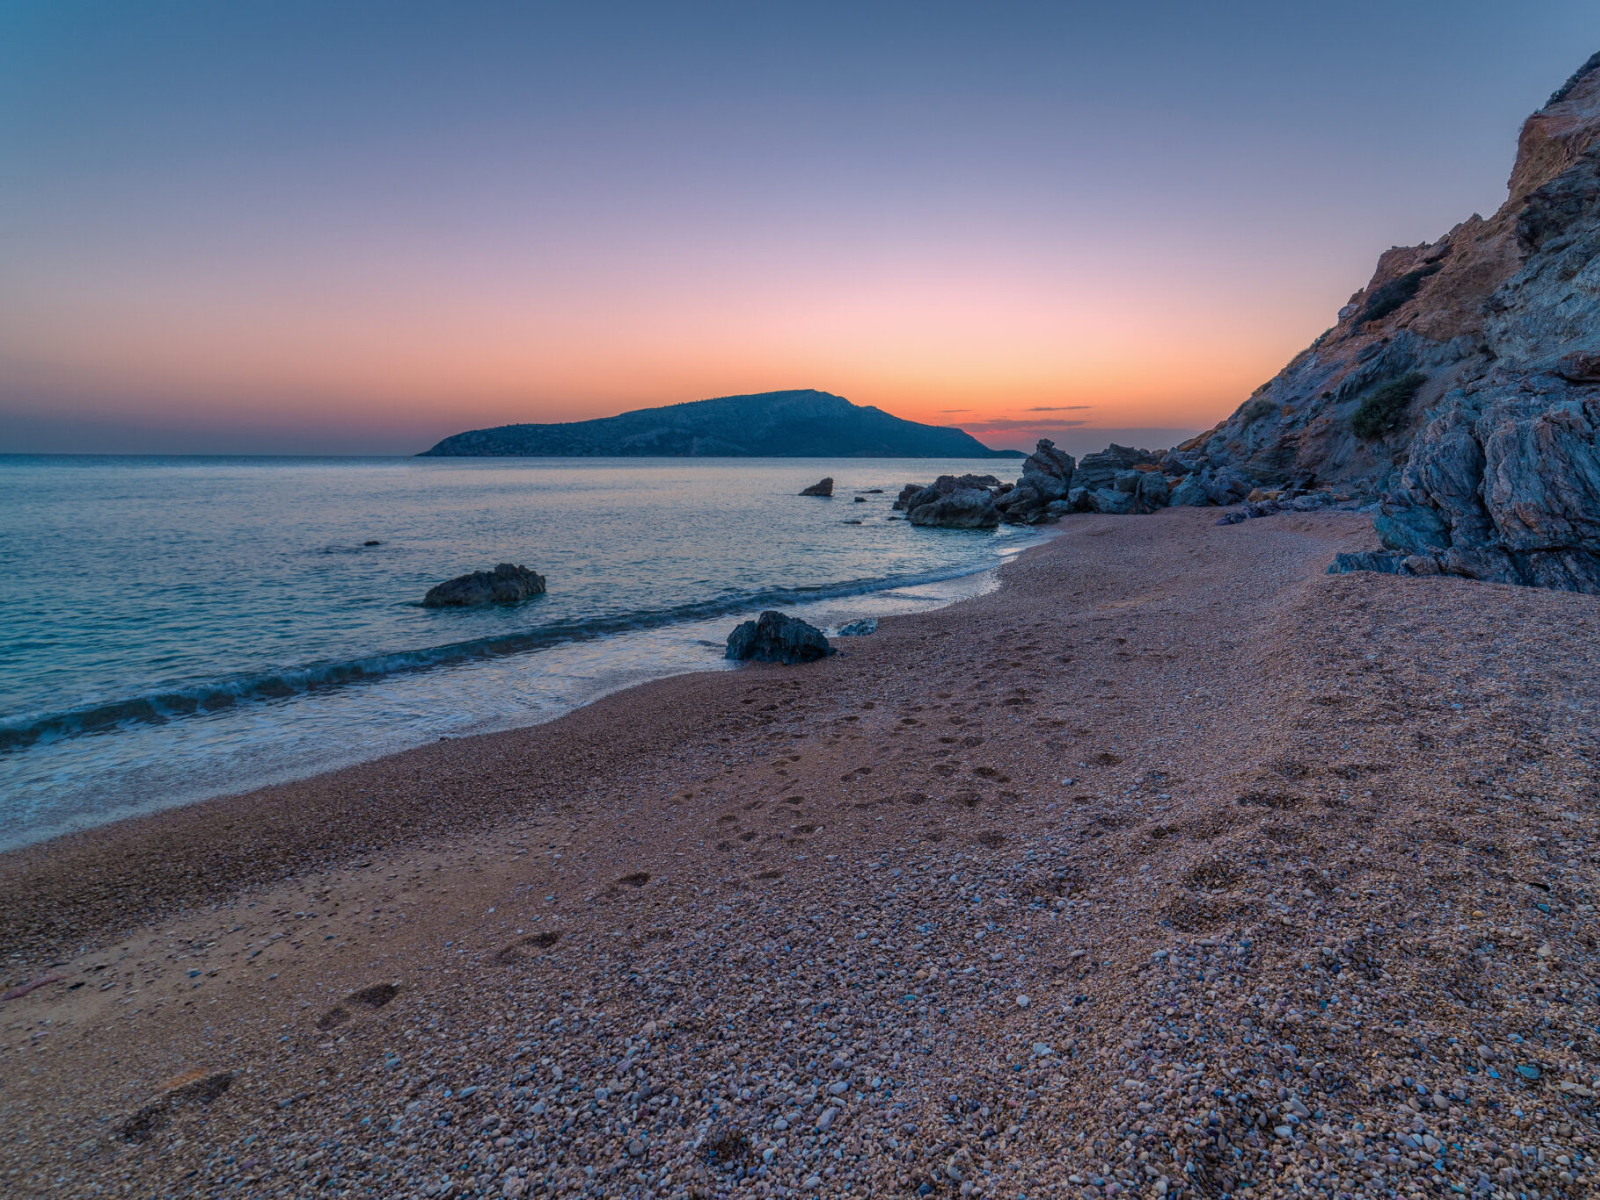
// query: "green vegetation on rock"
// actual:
[[1389, 296], [1385, 407]]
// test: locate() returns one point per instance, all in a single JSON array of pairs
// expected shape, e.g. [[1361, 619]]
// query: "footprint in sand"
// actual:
[[635, 879], [507, 955], [188, 1090], [369, 998]]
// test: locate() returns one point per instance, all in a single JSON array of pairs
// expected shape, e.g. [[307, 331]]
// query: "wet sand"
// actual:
[[1174, 867]]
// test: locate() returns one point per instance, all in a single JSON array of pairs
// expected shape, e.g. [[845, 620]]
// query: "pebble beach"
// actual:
[[1174, 867]]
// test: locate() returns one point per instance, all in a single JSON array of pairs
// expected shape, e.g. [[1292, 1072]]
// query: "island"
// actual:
[[795, 424]]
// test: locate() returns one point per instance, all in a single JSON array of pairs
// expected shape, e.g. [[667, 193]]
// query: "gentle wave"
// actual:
[[19, 733]]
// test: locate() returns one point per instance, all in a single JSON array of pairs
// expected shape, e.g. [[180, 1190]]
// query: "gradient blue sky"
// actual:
[[360, 227]]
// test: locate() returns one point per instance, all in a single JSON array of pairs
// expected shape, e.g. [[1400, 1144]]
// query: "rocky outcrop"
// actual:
[[953, 502], [823, 487], [506, 584], [1100, 470], [964, 508], [1046, 477], [1461, 386], [774, 637]]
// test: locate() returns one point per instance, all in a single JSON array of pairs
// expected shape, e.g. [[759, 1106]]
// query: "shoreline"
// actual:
[[1018, 890], [643, 651]]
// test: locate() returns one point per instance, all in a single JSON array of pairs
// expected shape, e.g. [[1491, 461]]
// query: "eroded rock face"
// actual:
[[822, 487], [1100, 470], [1490, 469], [1504, 485], [963, 508], [1047, 476], [774, 637], [506, 584]]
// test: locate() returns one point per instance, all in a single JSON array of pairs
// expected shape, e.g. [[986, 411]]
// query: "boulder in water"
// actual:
[[774, 637], [506, 584], [963, 508], [823, 487]]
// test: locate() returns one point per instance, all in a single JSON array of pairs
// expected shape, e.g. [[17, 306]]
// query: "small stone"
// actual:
[[1023, 1001]]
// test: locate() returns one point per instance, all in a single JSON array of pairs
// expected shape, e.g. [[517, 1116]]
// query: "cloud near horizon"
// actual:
[[1007, 423], [1060, 407]]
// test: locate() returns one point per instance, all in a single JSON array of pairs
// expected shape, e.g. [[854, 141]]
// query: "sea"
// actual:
[[176, 628]]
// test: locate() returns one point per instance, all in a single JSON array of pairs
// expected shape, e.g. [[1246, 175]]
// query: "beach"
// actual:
[[1173, 867]]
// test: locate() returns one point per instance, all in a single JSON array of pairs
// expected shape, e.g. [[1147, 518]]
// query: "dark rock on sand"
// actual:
[[774, 637], [1046, 478], [1191, 493], [1152, 491], [1109, 500], [1100, 470], [506, 584], [1383, 561], [823, 487]]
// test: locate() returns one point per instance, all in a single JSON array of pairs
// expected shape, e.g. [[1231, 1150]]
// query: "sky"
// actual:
[[357, 228]]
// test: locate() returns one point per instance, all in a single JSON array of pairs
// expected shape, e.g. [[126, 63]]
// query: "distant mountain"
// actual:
[[799, 424]]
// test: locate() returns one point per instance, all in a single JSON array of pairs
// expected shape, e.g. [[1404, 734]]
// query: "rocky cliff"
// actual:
[[803, 424], [1461, 386]]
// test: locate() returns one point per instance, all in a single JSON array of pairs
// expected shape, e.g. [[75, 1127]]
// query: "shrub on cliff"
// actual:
[[1387, 297], [1385, 407], [1254, 410]]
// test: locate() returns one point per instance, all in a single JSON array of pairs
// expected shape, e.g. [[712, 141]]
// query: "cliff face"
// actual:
[[1462, 384], [797, 424]]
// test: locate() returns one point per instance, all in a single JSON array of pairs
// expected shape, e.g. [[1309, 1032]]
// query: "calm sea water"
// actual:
[[176, 628]]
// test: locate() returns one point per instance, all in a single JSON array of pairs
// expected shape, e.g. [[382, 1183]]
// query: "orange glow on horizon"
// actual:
[[449, 358]]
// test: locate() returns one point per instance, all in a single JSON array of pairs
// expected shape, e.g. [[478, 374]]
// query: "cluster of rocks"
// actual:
[[1118, 480], [1262, 503], [506, 584]]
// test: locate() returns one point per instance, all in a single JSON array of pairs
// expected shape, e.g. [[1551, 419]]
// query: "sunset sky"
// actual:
[[345, 227]]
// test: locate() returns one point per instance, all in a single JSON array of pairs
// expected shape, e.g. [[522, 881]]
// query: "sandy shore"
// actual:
[[1174, 867]]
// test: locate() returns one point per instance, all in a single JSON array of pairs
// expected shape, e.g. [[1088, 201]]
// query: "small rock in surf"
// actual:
[[506, 584]]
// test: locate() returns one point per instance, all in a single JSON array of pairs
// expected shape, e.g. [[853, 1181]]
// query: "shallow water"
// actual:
[[177, 628]]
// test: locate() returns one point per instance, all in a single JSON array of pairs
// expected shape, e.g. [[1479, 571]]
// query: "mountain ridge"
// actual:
[[800, 423]]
